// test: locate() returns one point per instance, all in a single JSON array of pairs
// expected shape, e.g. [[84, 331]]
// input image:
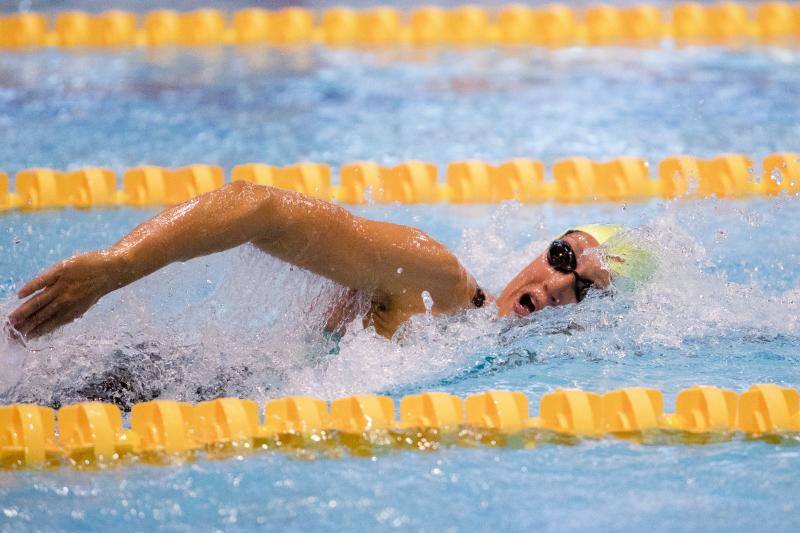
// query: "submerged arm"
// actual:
[[310, 233]]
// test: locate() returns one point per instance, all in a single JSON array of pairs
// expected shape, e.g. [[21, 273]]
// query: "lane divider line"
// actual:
[[91, 434], [572, 180], [556, 25]]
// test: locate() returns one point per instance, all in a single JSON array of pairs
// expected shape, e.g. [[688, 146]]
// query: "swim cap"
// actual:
[[626, 258]]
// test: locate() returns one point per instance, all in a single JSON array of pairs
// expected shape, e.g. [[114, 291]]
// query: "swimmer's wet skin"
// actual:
[[393, 263]]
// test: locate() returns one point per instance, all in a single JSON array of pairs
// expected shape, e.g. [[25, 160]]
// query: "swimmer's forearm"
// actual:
[[217, 221]]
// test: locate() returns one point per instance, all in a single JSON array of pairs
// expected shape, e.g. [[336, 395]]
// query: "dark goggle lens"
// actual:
[[561, 257]]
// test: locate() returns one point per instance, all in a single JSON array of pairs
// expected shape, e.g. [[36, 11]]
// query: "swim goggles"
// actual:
[[561, 257]]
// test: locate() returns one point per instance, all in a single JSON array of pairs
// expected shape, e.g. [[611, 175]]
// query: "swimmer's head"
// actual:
[[582, 258]]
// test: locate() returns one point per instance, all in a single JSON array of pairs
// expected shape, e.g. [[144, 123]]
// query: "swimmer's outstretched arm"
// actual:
[[398, 261]]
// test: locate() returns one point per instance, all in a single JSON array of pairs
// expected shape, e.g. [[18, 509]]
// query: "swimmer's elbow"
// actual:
[[267, 210], [276, 214], [247, 194], [251, 206], [251, 198]]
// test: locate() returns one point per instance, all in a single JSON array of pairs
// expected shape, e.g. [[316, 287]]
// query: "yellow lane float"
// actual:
[[569, 180], [165, 428], [91, 434], [27, 436], [554, 25]]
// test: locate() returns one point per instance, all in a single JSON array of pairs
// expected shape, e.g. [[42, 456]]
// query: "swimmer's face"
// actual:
[[541, 284]]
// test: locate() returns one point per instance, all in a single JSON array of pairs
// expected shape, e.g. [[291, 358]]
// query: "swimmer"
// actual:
[[393, 263]]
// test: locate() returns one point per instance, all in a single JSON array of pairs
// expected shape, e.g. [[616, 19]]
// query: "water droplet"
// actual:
[[427, 301]]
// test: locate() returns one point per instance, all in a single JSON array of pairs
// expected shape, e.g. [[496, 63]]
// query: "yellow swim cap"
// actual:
[[625, 257], [601, 232]]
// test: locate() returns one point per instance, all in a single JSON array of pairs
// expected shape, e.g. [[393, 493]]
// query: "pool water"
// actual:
[[723, 309]]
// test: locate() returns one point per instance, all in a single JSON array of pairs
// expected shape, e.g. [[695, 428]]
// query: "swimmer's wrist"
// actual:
[[120, 268]]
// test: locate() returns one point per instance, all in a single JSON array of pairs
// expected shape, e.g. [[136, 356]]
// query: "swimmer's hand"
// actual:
[[64, 293]]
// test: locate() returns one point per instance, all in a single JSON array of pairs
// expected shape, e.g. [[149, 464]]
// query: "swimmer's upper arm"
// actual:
[[361, 253]]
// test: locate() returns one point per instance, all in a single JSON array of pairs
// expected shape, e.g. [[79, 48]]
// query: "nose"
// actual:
[[558, 290]]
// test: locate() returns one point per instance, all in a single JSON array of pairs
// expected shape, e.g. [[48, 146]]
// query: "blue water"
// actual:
[[724, 308]]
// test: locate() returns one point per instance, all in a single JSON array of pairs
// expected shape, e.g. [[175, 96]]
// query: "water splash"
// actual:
[[242, 323]]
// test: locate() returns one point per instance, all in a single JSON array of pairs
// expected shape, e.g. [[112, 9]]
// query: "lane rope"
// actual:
[[570, 180], [556, 25], [91, 434]]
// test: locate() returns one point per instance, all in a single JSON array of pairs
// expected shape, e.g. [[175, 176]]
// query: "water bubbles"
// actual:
[[754, 219], [427, 301]]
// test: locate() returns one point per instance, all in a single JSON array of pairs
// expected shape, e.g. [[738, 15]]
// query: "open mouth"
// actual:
[[525, 305]]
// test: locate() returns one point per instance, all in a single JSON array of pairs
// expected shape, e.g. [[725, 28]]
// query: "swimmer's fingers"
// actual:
[[12, 333], [41, 281], [48, 312], [54, 323], [31, 307]]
